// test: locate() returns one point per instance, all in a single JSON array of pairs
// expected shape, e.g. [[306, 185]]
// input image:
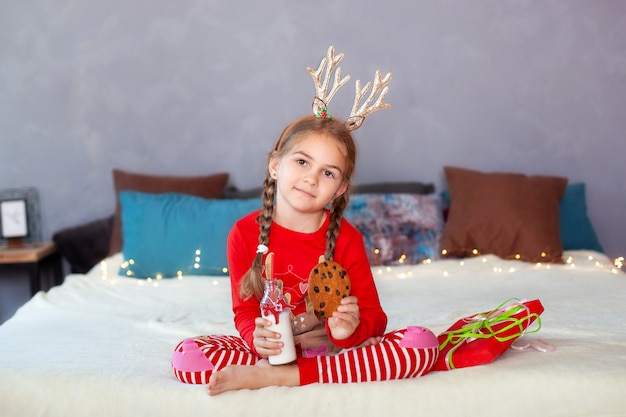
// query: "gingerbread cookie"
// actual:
[[328, 284]]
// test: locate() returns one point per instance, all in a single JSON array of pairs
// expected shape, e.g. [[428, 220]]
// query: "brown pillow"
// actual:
[[509, 215], [210, 186]]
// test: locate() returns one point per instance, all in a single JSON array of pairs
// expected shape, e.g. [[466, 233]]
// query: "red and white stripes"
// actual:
[[221, 350], [383, 361]]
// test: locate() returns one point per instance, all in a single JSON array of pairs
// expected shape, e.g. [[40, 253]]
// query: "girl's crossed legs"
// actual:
[[230, 358]]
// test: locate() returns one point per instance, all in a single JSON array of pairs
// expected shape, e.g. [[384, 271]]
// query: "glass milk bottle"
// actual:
[[274, 307]]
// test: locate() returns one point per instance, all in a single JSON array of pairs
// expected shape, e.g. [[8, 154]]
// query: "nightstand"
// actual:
[[34, 257]]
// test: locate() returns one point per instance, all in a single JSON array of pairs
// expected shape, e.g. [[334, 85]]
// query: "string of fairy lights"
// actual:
[[195, 268], [617, 263], [500, 265], [451, 266]]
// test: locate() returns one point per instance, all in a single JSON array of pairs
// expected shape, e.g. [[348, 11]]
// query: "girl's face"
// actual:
[[309, 175]]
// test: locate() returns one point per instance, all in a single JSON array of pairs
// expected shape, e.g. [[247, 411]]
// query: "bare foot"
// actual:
[[234, 377]]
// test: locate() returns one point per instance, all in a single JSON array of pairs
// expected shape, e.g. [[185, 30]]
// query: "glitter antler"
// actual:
[[357, 115], [330, 61]]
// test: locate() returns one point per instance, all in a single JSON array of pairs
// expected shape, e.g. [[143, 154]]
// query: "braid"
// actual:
[[267, 211], [336, 214], [252, 281]]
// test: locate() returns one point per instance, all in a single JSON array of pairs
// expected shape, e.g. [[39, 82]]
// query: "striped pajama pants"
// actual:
[[384, 361]]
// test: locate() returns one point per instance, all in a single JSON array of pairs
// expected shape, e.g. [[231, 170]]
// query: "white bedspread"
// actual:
[[100, 345]]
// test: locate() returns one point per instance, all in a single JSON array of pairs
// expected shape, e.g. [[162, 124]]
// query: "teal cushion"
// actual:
[[575, 227], [171, 234]]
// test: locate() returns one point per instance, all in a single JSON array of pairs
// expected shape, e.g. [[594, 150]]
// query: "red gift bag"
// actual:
[[480, 339]]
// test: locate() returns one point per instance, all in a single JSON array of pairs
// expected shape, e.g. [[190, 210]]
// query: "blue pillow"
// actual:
[[397, 228], [172, 234], [576, 230]]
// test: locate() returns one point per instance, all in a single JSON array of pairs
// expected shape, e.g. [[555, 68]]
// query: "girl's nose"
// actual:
[[310, 179]]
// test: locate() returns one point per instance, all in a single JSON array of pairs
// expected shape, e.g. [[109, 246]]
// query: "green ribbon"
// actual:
[[481, 326]]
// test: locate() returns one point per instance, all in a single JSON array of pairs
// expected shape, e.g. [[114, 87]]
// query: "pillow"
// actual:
[[577, 232], [163, 232], [410, 187], [510, 215], [85, 245], [575, 227], [397, 228], [209, 186], [235, 193]]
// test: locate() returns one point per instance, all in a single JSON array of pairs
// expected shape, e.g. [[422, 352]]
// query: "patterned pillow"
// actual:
[[397, 228]]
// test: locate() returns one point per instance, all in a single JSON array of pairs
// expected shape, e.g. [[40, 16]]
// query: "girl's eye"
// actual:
[[301, 162], [329, 174]]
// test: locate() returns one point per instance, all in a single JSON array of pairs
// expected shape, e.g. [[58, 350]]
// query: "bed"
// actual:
[[101, 343]]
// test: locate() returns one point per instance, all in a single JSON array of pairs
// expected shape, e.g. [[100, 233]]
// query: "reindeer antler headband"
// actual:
[[330, 62]]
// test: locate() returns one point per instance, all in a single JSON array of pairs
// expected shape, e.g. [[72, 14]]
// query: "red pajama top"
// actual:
[[295, 255]]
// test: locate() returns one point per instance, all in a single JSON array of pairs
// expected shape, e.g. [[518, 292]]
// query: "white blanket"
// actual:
[[101, 344]]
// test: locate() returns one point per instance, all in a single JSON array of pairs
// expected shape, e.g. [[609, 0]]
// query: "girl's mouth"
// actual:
[[305, 192]]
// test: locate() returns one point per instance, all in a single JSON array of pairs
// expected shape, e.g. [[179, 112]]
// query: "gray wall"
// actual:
[[199, 86]]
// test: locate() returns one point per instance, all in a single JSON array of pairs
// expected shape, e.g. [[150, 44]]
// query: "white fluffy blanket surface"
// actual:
[[101, 344]]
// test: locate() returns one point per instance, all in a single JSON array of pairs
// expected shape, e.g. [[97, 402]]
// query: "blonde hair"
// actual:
[[252, 281]]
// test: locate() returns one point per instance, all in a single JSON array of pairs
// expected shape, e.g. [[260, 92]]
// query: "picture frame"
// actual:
[[13, 218], [26, 198]]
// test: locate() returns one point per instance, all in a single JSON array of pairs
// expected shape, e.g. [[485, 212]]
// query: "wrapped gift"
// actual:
[[481, 338]]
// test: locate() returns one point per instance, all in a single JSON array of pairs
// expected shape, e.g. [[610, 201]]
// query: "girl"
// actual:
[[306, 190]]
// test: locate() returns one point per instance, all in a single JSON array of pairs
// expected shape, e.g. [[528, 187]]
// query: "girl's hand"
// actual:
[[345, 320], [261, 333]]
